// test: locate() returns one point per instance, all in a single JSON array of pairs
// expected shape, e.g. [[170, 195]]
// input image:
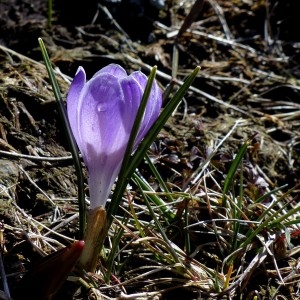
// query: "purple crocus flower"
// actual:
[[101, 113]]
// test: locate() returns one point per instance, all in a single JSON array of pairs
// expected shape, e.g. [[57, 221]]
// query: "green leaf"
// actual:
[[70, 139], [128, 169]]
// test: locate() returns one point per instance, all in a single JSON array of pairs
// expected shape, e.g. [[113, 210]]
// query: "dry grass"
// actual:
[[248, 85]]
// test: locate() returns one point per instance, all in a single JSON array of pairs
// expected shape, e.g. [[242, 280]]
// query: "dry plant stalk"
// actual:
[[96, 232]]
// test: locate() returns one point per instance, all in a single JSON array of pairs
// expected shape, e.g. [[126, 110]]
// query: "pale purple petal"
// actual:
[[103, 135], [112, 69], [100, 103], [101, 175], [101, 113], [153, 105], [73, 99], [133, 94]]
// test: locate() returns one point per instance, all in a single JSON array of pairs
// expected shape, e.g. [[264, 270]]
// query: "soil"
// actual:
[[249, 81]]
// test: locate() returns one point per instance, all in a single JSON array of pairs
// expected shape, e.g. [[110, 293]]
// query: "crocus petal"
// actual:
[[153, 105], [102, 135], [101, 103], [133, 94], [73, 98], [101, 118], [112, 69]]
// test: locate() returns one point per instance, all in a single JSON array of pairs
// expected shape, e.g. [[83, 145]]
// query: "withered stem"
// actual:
[[96, 232]]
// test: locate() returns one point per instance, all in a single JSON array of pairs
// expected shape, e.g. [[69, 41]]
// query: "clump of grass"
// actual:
[[247, 232]]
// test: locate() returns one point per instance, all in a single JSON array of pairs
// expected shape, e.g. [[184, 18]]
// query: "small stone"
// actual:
[[9, 175]]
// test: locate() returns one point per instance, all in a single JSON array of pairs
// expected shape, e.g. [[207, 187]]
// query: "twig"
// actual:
[[219, 11], [29, 218], [36, 186], [191, 88], [215, 38], [34, 158]]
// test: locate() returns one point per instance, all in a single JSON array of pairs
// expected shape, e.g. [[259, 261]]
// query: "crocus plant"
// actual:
[[101, 114]]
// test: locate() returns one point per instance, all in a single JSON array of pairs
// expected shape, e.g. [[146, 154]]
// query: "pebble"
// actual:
[[9, 175]]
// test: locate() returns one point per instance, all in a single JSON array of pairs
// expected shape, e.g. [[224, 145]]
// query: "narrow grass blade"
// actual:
[[233, 168], [110, 261], [236, 215], [267, 195], [187, 240], [70, 138], [191, 17], [4, 279], [161, 182], [272, 220], [50, 13], [128, 169], [160, 228], [280, 220], [123, 178], [154, 198]]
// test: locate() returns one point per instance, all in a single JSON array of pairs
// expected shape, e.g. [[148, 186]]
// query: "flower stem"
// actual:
[[96, 232]]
